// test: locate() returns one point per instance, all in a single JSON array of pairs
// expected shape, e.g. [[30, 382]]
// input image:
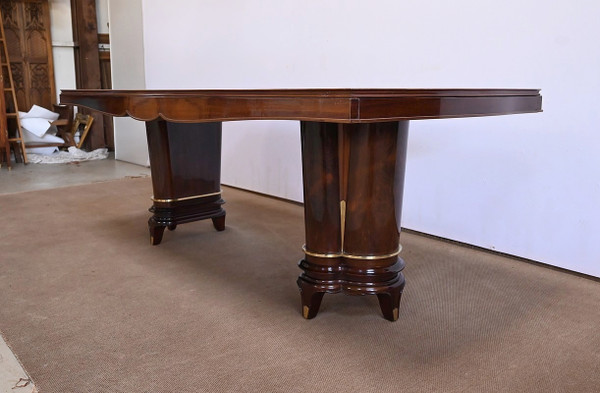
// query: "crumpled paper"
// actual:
[[72, 155], [37, 120]]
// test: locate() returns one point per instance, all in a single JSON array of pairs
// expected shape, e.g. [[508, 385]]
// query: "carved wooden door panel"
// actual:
[[27, 31]]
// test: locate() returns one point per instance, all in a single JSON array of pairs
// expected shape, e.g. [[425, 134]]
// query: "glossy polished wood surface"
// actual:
[[353, 186], [353, 158], [328, 105], [185, 163]]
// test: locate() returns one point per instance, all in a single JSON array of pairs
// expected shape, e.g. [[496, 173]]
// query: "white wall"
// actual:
[[527, 185], [102, 16], [127, 72], [61, 33]]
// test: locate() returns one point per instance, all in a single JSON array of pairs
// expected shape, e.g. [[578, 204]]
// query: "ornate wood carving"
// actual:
[[27, 29]]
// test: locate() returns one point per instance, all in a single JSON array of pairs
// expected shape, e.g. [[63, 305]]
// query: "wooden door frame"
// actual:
[[87, 61]]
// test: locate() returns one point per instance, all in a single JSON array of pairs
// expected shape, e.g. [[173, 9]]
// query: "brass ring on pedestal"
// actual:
[[186, 198], [352, 256]]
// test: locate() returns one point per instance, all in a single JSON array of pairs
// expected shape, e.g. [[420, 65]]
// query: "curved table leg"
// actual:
[[389, 301], [156, 231], [219, 223], [311, 298]]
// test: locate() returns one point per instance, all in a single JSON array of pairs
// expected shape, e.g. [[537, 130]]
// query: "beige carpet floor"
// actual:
[[88, 305]]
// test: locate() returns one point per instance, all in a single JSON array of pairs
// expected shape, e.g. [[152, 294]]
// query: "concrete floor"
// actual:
[[32, 177]]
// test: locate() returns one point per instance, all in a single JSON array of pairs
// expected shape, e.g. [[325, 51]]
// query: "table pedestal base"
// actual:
[[353, 184], [169, 215], [185, 189], [388, 292]]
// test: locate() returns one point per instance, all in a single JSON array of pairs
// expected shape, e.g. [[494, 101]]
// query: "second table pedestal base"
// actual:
[[170, 214], [186, 175]]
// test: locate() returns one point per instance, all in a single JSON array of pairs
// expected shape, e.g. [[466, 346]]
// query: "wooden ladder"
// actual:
[[4, 143], [9, 115]]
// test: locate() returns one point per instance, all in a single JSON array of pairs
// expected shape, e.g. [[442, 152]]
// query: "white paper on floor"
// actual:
[[37, 120], [73, 155], [37, 128]]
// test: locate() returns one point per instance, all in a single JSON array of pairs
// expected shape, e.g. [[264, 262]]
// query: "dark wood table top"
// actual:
[[326, 105]]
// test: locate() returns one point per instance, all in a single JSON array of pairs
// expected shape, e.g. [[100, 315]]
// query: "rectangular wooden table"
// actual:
[[353, 159]]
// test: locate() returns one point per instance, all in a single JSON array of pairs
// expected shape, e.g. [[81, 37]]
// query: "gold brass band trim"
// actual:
[[343, 220], [372, 257], [352, 256], [186, 198], [318, 255]]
